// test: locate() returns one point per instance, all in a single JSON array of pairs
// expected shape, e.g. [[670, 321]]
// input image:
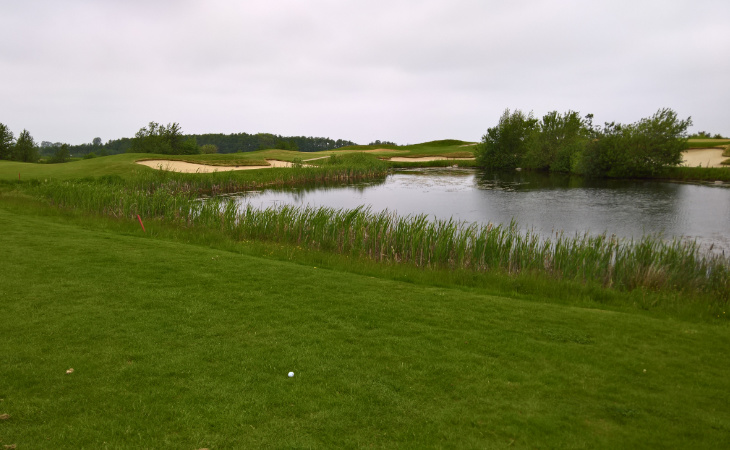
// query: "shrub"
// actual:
[[641, 148], [25, 149], [161, 139], [504, 145], [7, 141], [61, 155], [208, 149], [555, 142]]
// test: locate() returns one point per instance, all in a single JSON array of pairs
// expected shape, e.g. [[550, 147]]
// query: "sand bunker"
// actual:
[[705, 157], [427, 158], [186, 167]]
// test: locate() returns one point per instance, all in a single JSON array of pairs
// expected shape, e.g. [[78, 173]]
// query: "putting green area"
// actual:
[[175, 345]]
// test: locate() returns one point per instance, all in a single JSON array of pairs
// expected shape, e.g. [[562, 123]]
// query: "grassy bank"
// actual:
[[184, 346], [649, 263], [125, 166]]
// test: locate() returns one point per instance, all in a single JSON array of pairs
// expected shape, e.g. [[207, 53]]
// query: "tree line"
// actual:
[[570, 143], [23, 149], [158, 138], [245, 142], [168, 139]]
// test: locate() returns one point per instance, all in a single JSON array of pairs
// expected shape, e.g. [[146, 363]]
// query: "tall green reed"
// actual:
[[648, 262]]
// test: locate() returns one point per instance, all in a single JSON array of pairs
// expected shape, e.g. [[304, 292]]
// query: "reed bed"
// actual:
[[650, 262]]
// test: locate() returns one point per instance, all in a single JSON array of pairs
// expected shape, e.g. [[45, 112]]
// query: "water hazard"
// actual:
[[542, 202]]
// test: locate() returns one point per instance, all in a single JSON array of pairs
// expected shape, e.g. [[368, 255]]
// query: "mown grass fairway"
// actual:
[[181, 346], [707, 143], [121, 165]]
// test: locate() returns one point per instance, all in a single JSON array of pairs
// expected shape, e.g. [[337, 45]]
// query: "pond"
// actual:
[[544, 203]]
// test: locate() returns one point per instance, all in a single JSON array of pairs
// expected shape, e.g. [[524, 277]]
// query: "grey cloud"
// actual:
[[399, 69]]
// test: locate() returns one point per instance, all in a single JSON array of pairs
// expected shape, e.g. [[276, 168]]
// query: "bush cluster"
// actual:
[[570, 143], [163, 139]]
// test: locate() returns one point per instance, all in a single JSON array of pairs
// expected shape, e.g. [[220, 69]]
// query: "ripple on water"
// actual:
[[541, 202]]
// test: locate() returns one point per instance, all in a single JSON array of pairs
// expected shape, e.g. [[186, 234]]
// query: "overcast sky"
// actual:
[[401, 70]]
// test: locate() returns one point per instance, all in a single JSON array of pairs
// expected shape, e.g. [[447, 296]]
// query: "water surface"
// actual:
[[542, 202]]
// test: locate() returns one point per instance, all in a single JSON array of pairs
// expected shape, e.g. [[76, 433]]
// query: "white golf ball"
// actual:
[[291, 374]]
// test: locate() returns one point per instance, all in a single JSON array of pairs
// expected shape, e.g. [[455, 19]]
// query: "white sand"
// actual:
[[384, 150], [186, 167], [314, 159], [428, 158], [705, 157]]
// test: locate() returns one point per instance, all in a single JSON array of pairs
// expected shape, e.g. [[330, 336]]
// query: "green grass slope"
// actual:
[[181, 346], [448, 147], [124, 164], [707, 143], [108, 165]]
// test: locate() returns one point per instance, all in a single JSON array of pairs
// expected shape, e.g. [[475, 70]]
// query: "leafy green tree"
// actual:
[[266, 140], [208, 149], [6, 142], [150, 139], [504, 146], [49, 148], [189, 147], [172, 134], [96, 142], [61, 155], [637, 149], [556, 141], [281, 144], [161, 139], [25, 149]]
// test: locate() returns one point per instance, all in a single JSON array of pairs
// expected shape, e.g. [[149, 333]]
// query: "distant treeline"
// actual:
[[244, 142], [225, 143], [162, 139], [112, 147]]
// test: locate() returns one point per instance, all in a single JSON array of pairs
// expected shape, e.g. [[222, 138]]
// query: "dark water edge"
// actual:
[[545, 203]]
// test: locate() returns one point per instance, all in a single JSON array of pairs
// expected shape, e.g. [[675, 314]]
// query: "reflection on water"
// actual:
[[544, 202]]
